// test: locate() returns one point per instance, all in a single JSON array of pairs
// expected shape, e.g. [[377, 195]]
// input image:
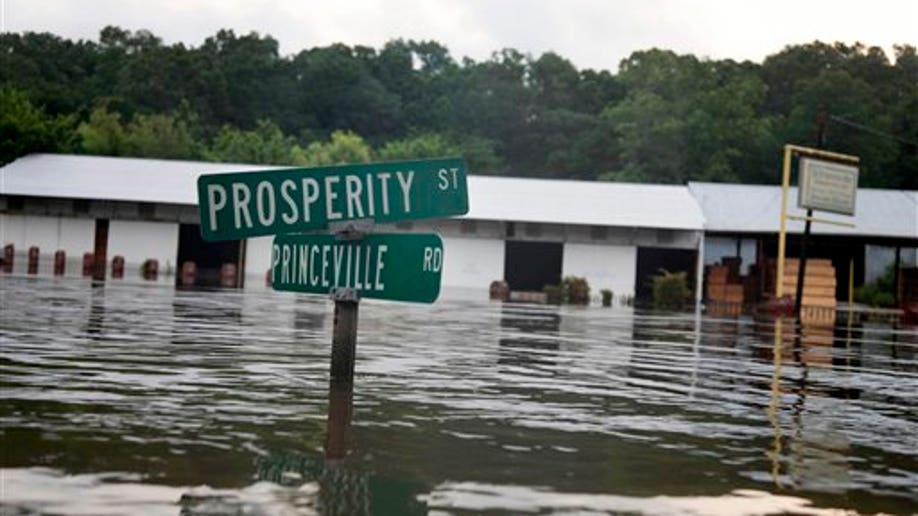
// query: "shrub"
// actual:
[[575, 290], [670, 290], [879, 293], [606, 297]]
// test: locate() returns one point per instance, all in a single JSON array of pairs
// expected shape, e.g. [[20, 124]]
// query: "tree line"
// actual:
[[662, 118]]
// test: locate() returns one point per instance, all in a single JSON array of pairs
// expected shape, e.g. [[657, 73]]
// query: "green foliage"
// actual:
[[880, 293], [266, 144], [160, 136], [343, 147], [575, 290], [103, 134], [418, 147], [663, 118], [152, 136], [670, 290], [606, 297], [25, 128]]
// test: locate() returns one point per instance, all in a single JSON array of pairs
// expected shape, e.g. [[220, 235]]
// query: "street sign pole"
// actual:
[[347, 262], [344, 336]]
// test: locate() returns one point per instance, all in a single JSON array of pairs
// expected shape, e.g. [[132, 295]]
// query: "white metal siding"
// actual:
[[258, 257], [50, 234], [138, 241], [472, 262], [604, 266], [71, 235]]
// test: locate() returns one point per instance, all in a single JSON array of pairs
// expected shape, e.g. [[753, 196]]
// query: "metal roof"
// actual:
[[584, 202], [107, 178], [490, 198], [756, 208]]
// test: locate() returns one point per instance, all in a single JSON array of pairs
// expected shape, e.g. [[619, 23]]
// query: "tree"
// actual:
[[651, 139], [338, 92], [839, 94], [266, 144], [25, 128], [160, 136], [428, 145], [103, 134], [342, 148]]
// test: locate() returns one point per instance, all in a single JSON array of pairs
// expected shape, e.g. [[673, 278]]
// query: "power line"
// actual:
[[871, 130]]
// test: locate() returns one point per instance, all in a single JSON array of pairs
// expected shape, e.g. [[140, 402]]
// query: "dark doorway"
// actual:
[[529, 266], [209, 257], [649, 262]]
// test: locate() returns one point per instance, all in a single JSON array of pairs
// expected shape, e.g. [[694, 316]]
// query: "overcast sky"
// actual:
[[591, 33]]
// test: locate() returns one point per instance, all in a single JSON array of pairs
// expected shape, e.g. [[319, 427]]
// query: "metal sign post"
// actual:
[[344, 334], [834, 192], [239, 205], [349, 264]]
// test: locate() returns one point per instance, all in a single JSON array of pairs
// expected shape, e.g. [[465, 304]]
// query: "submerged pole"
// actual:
[[344, 332], [344, 335], [340, 412]]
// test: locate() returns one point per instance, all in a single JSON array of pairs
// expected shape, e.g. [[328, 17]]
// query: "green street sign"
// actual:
[[394, 266], [244, 204]]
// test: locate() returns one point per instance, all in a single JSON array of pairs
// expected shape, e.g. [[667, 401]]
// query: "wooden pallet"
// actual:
[[818, 304], [725, 292]]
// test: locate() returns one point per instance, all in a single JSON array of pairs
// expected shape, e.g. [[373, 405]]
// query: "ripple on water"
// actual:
[[203, 399]]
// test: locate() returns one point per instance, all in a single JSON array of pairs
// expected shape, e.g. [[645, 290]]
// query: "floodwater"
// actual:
[[143, 399]]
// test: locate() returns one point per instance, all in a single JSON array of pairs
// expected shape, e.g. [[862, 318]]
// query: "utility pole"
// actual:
[[822, 118]]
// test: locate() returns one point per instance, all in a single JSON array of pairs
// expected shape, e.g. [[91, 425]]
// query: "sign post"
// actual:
[[828, 182], [245, 204], [393, 266], [346, 200]]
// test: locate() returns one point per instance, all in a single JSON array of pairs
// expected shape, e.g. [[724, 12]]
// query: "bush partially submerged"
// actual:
[[670, 290], [573, 290], [576, 290], [606, 297], [880, 293]]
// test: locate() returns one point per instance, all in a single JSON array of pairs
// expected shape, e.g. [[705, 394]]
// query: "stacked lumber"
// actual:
[[818, 301], [725, 293]]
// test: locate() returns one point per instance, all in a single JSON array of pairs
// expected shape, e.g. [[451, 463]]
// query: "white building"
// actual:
[[530, 232], [743, 221]]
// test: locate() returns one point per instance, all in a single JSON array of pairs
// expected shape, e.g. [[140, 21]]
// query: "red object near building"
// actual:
[[33, 260], [151, 269], [88, 261], [228, 273], [118, 266], [60, 262], [8, 253], [189, 274]]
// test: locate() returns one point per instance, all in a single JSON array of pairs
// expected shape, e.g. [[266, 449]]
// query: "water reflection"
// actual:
[[221, 399], [814, 449], [96, 310], [534, 341], [306, 319], [335, 488], [340, 412]]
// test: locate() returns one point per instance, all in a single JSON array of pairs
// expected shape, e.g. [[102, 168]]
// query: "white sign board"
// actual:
[[827, 186]]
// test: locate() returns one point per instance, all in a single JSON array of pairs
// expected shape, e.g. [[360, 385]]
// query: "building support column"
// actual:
[[100, 250]]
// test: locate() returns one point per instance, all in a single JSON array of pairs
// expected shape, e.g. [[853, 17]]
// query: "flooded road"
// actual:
[[141, 399]]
